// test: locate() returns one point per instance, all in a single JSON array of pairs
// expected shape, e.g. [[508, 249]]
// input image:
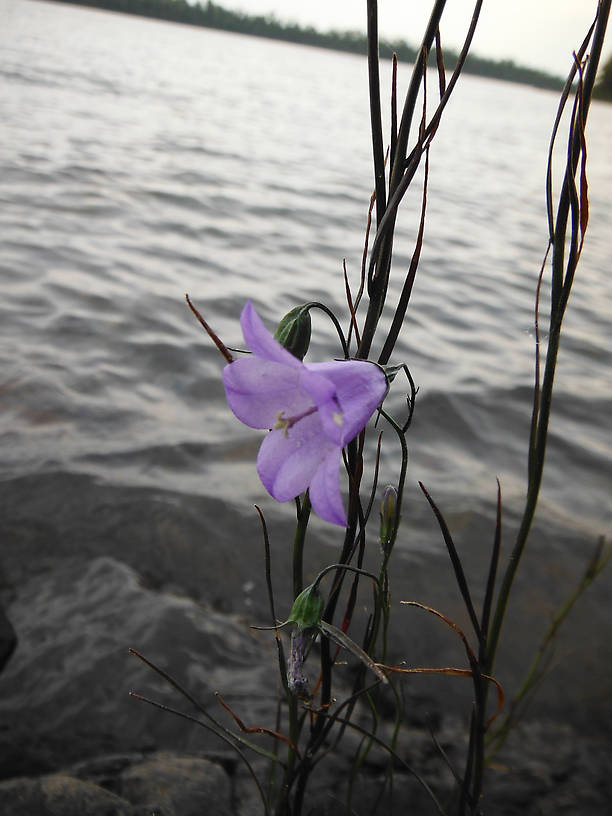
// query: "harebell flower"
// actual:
[[311, 409]]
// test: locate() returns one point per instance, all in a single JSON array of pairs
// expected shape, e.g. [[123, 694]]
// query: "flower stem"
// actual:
[[298, 546]]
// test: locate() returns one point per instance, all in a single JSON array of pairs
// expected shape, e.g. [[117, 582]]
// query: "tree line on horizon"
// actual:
[[212, 15], [603, 88]]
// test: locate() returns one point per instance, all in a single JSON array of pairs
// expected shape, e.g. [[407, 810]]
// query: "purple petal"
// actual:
[[323, 393], [360, 388], [287, 462], [261, 342], [332, 420], [258, 390], [325, 489]]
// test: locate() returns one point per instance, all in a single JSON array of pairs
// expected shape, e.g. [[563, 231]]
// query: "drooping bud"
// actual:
[[297, 679], [307, 608], [388, 510], [293, 332]]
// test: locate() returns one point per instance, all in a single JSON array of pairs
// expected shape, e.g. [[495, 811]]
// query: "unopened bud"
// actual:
[[388, 510], [297, 679], [293, 332], [307, 608]]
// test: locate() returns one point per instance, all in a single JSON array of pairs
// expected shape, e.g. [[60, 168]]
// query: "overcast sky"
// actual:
[[535, 33]]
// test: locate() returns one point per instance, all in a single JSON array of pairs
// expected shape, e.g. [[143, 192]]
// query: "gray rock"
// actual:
[[178, 786], [59, 795], [163, 785], [209, 548], [64, 695]]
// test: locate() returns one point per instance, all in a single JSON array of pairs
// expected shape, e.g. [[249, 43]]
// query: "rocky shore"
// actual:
[[73, 741]]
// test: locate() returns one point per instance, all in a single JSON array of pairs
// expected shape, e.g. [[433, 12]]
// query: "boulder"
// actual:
[[59, 795], [162, 784], [64, 696], [178, 786]]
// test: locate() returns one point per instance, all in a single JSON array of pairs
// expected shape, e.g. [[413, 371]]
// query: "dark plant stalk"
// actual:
[[381, 261], [596, 564], [223, 737], [402, 173], [393, 109], [361, 753], [561, 287], [282, 804], [464, 791], [456, 562], [475, 762], [381, 607], [402, 305], [282, 807], [448, 89], [282, 665], [440, 64], [487, 604], [298, 545], [355, 469], [412, 95], [378, 150], [316, 305], [335, 717]]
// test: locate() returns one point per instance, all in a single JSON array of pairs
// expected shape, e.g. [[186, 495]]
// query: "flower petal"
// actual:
[[288, 461], [323, 393], [321, 389], [261, 342], [325, 489], [258, 390], [360, 388], [332, 420]]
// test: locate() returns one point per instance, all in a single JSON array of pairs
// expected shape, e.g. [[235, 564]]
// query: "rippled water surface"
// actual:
[[140, 160]]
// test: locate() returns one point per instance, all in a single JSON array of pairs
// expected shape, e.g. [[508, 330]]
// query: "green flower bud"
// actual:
[[293, 332], [388, 509], [307, 608]]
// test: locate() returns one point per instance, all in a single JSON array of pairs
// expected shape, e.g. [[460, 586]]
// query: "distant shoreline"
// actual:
[[211, 15]]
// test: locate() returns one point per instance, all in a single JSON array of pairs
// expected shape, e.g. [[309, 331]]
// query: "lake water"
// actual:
[[140, 160]]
